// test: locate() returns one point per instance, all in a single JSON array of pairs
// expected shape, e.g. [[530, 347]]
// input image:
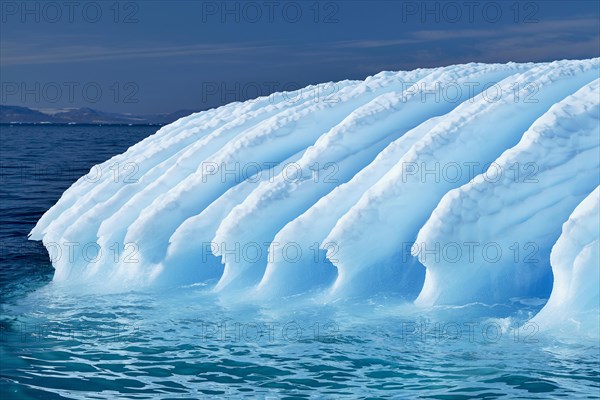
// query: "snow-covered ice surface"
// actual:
[[514, 213], [371, 189], [391, 212]]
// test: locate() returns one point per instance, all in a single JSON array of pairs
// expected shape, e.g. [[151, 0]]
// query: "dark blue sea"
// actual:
[[184, 343]]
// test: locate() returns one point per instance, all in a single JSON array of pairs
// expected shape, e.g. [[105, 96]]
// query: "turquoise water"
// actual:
[[185, 343]]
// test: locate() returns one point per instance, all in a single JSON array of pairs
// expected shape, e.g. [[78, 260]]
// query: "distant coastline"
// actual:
[[19, 115], [79, 124]]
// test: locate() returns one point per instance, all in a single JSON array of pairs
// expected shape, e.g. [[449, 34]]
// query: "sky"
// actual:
[[148, 57]]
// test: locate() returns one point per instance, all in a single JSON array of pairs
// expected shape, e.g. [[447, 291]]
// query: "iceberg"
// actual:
[[394, 184]]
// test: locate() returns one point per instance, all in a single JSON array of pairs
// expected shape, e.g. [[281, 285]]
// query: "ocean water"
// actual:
[[185, 343]]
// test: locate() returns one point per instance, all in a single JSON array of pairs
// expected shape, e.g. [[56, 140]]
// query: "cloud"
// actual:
[[15, 53], [542, 41]]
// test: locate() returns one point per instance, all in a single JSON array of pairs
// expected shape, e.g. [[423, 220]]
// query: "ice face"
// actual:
[[370, 189], [575, 300]]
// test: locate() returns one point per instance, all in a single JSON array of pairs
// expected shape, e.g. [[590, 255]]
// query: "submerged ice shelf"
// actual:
[[445, 186]]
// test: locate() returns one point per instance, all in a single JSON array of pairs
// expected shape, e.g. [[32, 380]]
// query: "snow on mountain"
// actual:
[[348, 195], [85, 115]]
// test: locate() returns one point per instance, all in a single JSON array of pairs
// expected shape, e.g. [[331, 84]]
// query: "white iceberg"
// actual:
[[350, 194]]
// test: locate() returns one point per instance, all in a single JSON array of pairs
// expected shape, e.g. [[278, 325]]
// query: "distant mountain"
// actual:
[[25, 115]]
